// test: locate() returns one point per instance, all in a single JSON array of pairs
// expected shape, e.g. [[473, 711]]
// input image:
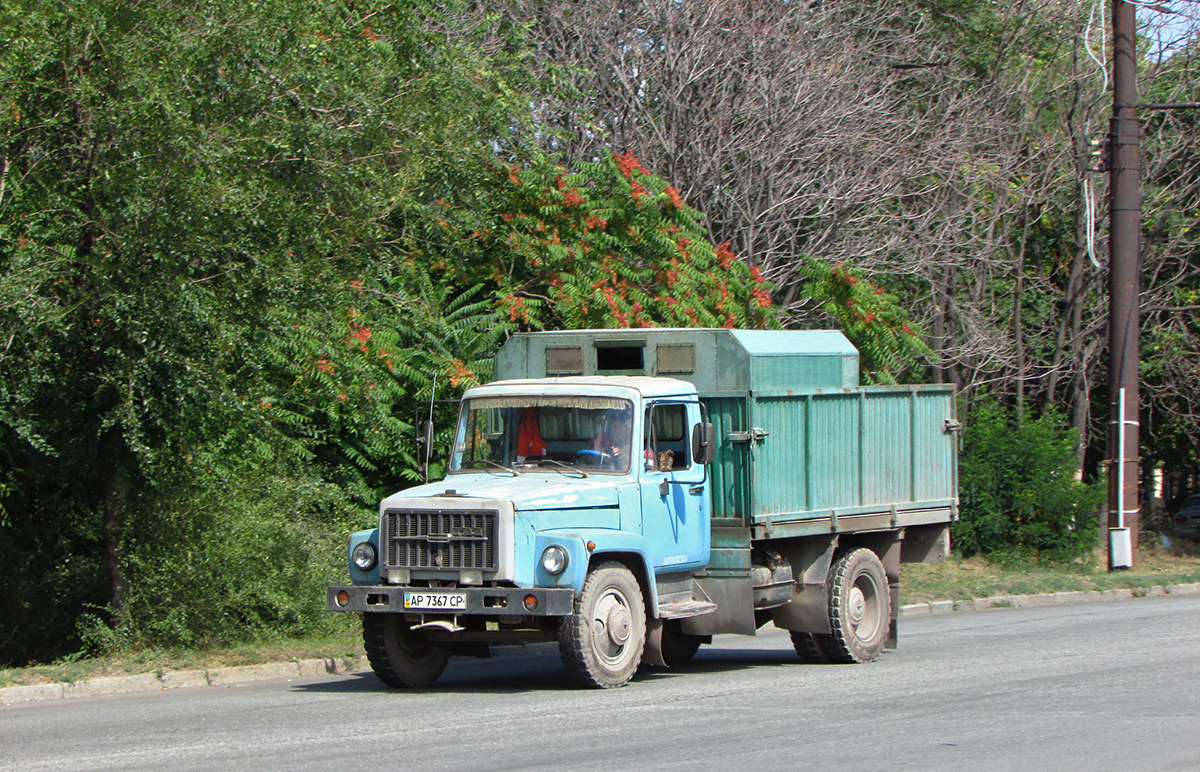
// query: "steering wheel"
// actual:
[[599, 457]]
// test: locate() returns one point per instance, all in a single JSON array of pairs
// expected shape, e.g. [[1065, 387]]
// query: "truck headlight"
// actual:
[[554, 560], [364, 556]]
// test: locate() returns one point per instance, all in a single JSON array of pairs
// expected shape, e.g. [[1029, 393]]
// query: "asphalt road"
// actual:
[[1101, 686]]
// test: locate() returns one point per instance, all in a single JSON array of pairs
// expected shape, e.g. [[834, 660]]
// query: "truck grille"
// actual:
[[441, 540]]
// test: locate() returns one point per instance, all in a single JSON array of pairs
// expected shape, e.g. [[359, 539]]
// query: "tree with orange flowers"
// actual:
[[890, 344], [607, 245]]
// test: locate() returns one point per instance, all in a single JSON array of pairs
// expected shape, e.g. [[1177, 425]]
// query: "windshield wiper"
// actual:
[[497, 464], [566, 469]]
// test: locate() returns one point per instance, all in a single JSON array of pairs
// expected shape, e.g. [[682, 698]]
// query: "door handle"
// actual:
[[696, 490], [756, 434]]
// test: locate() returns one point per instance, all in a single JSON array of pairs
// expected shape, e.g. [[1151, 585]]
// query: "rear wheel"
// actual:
[[399, 655], [813, 648], [601, 642], [859, 607], [679, 647]]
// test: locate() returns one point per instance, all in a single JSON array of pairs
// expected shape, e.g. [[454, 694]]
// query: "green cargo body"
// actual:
[[802, 449]]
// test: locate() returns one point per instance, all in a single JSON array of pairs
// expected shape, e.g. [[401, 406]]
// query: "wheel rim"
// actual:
[[612, 626], [863, 608]]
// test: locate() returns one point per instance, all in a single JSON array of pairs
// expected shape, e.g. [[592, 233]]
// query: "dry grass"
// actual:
[[979, 578]]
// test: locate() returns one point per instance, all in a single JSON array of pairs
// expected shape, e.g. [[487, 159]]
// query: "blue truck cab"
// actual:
[[578, 507]]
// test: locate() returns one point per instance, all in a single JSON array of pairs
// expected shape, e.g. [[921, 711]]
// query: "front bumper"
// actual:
[[480, 601]]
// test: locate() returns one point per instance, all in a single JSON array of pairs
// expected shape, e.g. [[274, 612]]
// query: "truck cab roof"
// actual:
[[627, 386]]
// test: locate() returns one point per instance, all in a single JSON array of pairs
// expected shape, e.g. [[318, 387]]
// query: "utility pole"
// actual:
[[1125, 229]]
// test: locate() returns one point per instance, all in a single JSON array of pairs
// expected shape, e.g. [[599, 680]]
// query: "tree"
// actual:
[[608, 245], [1171, 243], [187, 194], [889, 345]]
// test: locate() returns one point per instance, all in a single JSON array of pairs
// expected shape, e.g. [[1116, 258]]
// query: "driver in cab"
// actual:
[[613, 439]]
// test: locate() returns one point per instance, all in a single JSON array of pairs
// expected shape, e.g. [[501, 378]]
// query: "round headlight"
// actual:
[[554, 560], [363, 555]]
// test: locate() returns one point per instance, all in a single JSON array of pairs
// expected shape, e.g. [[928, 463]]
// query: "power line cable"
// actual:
[[1087, 33]]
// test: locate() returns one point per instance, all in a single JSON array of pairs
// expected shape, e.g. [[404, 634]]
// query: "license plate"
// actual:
[[435, 601]]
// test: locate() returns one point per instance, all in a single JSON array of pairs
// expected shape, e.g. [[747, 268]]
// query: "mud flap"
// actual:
[[891, 563], [652, 653]]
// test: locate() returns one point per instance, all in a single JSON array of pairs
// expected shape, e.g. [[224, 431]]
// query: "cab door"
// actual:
[[674, 489]]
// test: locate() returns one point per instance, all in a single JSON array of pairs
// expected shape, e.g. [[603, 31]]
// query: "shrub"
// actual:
[[1019, 493], [241, 552]]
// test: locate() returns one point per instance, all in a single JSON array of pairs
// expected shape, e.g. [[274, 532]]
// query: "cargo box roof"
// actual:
[[716, 361]]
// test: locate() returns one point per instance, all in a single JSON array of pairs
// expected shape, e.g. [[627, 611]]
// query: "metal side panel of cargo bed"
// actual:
[[866, 458]]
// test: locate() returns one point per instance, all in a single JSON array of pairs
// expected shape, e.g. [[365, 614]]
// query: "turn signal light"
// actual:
[[530, 602], [343, 598]]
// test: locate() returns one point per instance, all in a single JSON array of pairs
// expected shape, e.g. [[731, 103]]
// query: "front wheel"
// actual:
[[399, 655], [859, 608], [601, 642]]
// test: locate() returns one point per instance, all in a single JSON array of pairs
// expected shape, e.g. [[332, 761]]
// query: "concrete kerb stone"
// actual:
[[226, 676], [95, 687], [180, 679], [310, 667], [235, 675], [941, 606], [15, 695]]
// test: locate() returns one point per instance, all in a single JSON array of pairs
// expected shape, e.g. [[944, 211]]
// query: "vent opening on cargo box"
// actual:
[[564, 361], [620, 358]]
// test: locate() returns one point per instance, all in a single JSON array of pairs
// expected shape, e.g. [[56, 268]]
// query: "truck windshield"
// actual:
[[583, 433]]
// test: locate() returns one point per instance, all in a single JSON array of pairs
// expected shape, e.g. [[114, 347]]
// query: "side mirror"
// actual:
[[704, 443], [424, 445]]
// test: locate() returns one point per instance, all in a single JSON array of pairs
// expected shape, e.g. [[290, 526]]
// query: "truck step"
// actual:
[[685, 608]]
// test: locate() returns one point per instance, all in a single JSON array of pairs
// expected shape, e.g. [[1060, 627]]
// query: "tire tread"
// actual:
[[573, 636], [405, 673], [840, 648], [812, 647]]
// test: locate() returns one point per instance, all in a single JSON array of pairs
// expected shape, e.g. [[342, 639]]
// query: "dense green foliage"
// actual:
[[189, 190], [238, 249], [1019, 494]]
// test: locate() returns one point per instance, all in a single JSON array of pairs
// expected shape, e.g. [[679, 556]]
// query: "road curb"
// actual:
[[175, 679], [1046, 599], [221, 676], [229, 676]]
